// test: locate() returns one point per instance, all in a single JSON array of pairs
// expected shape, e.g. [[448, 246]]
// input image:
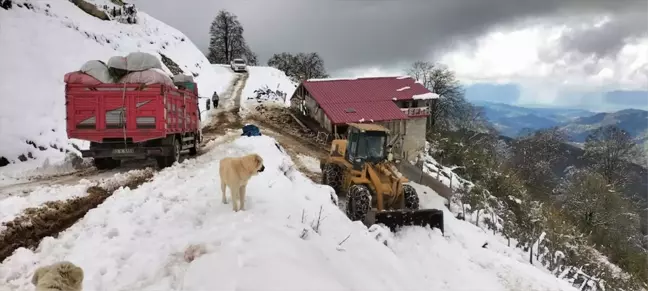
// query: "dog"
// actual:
[[235, 172], [61, 276]]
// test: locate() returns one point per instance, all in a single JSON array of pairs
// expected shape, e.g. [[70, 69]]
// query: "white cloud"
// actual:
[[532, 57]]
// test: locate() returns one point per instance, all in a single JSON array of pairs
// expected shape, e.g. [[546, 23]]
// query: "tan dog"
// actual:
[[61, 276], [235, 172]]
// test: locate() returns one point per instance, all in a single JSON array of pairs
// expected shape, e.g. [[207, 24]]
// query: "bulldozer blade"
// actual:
[[395, 219]]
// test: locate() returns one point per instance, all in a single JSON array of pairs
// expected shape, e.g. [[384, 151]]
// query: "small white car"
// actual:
[[238, 65]]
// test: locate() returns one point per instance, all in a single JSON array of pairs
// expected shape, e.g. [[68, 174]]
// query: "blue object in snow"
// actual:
[[251, 130]]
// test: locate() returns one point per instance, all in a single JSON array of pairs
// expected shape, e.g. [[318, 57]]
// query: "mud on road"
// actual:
[[29, 228], [51, 218]]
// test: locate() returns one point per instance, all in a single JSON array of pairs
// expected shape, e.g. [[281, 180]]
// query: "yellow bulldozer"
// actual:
[[362, 169]]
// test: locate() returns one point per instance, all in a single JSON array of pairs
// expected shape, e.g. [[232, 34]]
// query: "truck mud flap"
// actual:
[[398, 218]]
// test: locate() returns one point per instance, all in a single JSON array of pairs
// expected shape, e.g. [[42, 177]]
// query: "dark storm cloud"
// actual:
[[609, 38], [373, 32]]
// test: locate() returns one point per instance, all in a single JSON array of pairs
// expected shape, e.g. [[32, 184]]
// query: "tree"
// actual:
[[597, 208], [451, 111], [535, 156], [227, 42], [299, 67], [611, 150]]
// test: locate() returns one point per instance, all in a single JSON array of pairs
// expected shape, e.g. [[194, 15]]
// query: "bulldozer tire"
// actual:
[[411, 197], [359, 202], [332, 176]]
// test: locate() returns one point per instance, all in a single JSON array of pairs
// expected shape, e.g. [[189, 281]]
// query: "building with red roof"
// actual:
[[398, 103]]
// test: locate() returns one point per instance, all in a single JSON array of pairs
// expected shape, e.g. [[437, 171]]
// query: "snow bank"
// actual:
[[41, 44], [173, 233], [266, 85]]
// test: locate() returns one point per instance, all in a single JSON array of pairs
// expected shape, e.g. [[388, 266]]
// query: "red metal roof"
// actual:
[[363, 89], [371, 98], [363, 112]]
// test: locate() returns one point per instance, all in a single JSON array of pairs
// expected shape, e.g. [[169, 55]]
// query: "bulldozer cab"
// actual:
[[359, 167], [366, 145]]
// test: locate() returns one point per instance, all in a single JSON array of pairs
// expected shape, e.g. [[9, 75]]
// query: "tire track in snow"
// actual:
[[53, 217]]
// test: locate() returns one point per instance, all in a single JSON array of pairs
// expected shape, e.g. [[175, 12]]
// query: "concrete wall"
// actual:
[[414, 141]]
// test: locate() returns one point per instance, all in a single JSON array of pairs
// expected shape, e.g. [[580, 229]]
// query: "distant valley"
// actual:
[[513, 121]]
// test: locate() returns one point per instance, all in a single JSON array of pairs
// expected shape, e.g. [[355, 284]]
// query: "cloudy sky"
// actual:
[[585, 53]]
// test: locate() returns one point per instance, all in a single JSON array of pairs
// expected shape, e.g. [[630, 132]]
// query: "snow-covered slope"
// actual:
[[173, 233], [46, 39], [266, 85]]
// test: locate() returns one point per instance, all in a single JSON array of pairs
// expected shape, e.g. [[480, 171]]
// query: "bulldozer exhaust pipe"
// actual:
[[399, 218]]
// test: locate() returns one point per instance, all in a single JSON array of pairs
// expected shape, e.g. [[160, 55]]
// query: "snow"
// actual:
[[147, 239], [225, 75], [403, 77], [276, 86], [403, 89], [310, 163], [330, 79], [426, 96], [55, 37], [12, 206]]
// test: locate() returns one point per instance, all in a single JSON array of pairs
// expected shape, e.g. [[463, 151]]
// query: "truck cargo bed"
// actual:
[[129, 112]]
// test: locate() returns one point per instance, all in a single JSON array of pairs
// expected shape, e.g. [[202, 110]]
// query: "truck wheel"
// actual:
[[410, 198], [194, 150], [106, 163], [174, 156], [332, 176], [359, 202]]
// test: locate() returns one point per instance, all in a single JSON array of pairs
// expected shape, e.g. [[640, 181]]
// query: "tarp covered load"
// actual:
[[181, 78], [135, 68], [140, 61], [80, 78], [148, 77], [184, 82], [92, 73], [98, 70]]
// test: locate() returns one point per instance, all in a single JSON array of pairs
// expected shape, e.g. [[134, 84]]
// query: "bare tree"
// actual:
[[227, 41], [611, 150], [598, 209], [299, 67], [536, 154], [451, 111]]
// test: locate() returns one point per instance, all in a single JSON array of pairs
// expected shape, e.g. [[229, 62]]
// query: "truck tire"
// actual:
[[410, 198], [174, 156], [358, 202], [106, 163]]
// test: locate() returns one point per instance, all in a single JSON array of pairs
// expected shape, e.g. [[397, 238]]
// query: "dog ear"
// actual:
[[259, 161], [76, 275], [38, 273]]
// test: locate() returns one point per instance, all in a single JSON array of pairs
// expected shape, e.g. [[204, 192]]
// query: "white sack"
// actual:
[[148, 77], [117, 62], [98, 70], [140, 61], [181, 78]]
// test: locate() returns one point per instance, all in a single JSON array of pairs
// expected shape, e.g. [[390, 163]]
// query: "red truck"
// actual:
[[133, 121]]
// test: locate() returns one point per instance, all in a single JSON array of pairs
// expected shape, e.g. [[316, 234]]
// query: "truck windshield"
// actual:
[[372, 147]]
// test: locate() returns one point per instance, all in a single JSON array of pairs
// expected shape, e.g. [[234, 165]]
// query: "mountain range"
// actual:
[[512, 121]]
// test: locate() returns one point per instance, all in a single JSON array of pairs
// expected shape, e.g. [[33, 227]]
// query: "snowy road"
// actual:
[[275, 244]]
